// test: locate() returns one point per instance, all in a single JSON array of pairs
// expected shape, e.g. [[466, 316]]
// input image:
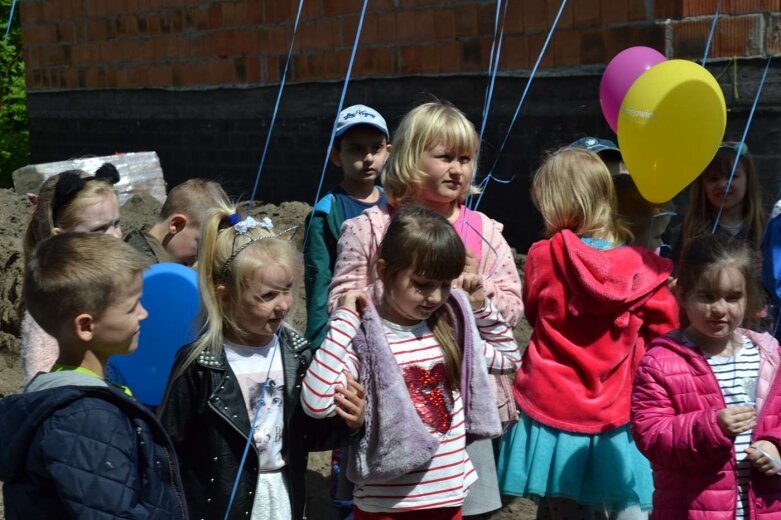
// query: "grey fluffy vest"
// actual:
[[396, 441]]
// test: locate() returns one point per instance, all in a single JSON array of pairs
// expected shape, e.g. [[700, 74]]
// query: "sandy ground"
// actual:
[[138, 211]]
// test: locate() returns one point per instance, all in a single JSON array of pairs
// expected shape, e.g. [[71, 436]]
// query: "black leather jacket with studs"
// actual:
[[205, 415]]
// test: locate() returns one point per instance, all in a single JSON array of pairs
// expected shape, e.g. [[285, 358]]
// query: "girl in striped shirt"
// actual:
[[423, 355], [706, 399]]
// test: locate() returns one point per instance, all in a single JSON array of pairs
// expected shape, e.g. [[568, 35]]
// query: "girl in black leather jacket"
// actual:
[[243, 376]]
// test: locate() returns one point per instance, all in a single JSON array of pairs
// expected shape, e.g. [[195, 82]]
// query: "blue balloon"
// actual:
[[171, 297]]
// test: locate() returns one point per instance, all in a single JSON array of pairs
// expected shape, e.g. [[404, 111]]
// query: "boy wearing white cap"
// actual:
[[360, 149]]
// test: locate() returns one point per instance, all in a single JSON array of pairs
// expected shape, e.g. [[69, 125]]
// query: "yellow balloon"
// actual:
[[671, 123]]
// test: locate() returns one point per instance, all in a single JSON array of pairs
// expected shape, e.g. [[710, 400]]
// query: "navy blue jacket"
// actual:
[[87, 453]]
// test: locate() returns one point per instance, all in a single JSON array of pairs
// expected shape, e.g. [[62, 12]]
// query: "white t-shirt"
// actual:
[[251, 366]]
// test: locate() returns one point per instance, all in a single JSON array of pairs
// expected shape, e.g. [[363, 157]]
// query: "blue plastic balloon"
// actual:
[[171, 297]]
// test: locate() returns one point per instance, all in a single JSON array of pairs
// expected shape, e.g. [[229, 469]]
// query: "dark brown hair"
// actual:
[[706, 254], [425, 242]]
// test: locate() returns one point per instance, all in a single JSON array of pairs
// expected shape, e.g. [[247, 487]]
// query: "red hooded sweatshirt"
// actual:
[[593, 314]]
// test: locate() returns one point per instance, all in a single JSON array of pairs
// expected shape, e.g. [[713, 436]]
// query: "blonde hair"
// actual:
[[419, 239], [573, 190], [701, 214], [93, 192], [39, 227], [219, 242], [423, 128], [74, 273], [194, 198]]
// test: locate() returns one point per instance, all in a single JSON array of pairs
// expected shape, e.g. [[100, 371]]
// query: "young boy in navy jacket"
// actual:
[[74, 445]]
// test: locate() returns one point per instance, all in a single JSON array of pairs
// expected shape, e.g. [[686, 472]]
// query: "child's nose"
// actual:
[[142, 312]]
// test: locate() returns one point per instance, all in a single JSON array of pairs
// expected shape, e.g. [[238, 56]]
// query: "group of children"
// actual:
[[643, 389]]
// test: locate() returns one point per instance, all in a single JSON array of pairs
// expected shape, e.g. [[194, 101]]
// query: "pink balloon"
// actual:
[[619, 75]]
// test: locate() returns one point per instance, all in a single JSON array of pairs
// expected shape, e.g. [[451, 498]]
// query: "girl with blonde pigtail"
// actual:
[[232, 405]]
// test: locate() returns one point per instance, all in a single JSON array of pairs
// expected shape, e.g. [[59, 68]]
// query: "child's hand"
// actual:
[[472, 263], [472, 285], [356, 301], [737, 419], [350, 403], [761, 461]]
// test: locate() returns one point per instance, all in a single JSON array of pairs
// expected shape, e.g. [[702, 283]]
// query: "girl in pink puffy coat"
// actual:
[[706, 403]]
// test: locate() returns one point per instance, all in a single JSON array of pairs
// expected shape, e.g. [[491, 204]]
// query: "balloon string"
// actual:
[[493, 68], [10, 19], [276, 106], [523, 98], [741, 146], [712, 33], [338, 111]]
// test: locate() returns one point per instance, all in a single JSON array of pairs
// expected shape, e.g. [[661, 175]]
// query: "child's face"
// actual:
[[718, 303], [448, 174], [715, 183], [362, 153], [116, 330], [183, 246], [101, 217], [650, 235], [412, 298], [264, 303]]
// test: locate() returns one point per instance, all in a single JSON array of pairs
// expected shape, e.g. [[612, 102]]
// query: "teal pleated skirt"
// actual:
[[603, 470]]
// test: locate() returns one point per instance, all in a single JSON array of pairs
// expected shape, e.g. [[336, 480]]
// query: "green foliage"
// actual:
[[14, 127]]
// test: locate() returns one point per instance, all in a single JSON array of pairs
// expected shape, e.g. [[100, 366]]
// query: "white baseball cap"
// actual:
[[360, 115]]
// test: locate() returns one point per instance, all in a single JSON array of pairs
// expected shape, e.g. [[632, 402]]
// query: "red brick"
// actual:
[[405, 26], [485, 19], [773, 41], [196, 18], [30, 12], [586, 13], [94, 7], [592, 47], [451, 56], [690, 37], [215, 22], [255, 14], [138, 76], [411, 59], [385, 27], [429, 59], [66, 32], [514, 22], [754, 6], [161, 76], [280, 11], [515, 54], [535, 46], [614, 12], [253, 70], [129, 24], [153, 23], [616, 40], [466, 21], [383, 61], [424, 25], [566, 48], [309, 11], [241, 14], [247, 42], [535, 15], [300, 69], [190, 46], [71, 78], [566, 21], [740, 36], [96, 30], [229, 15], [225, 42], [637, 10], [368, 32], [470, 58], [339, 7], [445, 24], [667, 9], [172, 21]]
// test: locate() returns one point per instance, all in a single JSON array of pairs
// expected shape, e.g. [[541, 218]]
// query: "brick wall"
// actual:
[[89, 44], [196, 81]]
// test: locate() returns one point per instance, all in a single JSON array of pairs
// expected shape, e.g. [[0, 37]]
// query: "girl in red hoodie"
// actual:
[[594, 303], [706, 401]]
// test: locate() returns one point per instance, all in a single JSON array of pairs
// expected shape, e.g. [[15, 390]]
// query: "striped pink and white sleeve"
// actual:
[[499, 346], [330, 365]]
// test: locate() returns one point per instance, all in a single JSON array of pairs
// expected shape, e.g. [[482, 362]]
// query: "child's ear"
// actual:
[[221, 292], [176, 223], [388, 147], [336, 157], [56, 231], [83, 326]]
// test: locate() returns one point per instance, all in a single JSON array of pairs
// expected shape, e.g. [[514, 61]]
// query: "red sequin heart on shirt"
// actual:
[[432, 398]]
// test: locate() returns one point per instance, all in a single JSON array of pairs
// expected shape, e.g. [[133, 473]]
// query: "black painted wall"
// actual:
[[219, 133]]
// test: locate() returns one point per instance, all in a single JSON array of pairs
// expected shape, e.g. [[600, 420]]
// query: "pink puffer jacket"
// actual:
[[674, 404]]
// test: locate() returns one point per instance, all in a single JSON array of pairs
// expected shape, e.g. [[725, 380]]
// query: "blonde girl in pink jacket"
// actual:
[[432, 165]]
